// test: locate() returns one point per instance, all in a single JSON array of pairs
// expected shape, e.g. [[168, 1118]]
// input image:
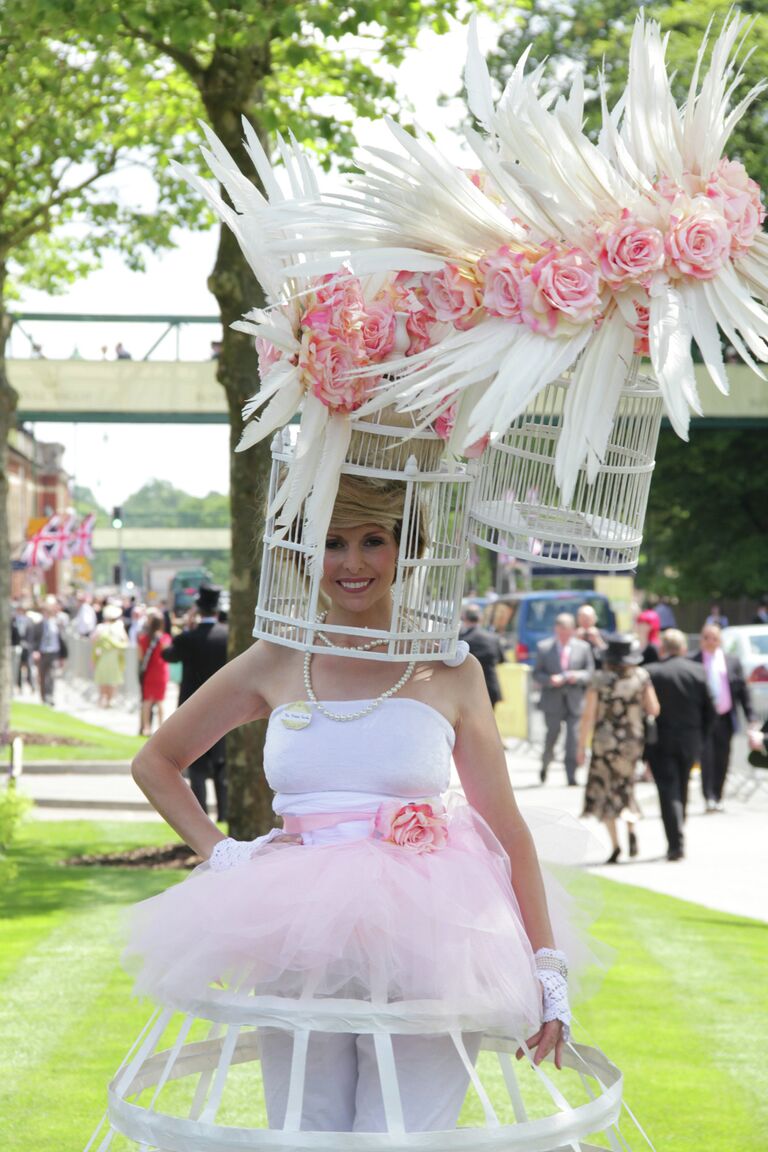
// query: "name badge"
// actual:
[[297, 716]]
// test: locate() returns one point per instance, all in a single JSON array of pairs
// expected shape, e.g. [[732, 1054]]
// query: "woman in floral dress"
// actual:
[[620, 696]]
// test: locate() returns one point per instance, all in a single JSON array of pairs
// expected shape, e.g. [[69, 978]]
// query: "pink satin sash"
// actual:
[[298, 824]]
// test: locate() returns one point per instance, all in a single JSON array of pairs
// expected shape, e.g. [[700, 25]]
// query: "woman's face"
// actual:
[[359, 566]]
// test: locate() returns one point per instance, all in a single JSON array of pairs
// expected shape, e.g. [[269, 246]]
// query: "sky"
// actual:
[[115, 460]]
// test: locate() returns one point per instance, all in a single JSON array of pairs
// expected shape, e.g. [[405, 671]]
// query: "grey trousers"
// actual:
[[342, 1086]]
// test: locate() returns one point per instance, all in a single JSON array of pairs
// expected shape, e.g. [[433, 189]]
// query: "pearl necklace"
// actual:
[[349, 647], [369, 707]]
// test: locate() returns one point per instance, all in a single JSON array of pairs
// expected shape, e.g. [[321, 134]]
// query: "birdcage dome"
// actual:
[[517, 508]]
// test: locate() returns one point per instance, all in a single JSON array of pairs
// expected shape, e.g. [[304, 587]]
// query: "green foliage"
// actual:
[[13, 808], [590, 34], [158, 504], [69, 118], [706, 532]]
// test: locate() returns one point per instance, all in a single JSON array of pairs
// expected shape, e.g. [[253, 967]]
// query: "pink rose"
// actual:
[[500, 275], [416, 827], [268, 355], [420, 323], [378, 330], [737, 198], [443, 424], [698, 242], [667, 188], [562, 289], [640, 328], [454, 295], [329, 366], [630, 251], [336, 308]]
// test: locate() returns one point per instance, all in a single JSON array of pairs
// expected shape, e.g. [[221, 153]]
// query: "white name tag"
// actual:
[[297, 715]]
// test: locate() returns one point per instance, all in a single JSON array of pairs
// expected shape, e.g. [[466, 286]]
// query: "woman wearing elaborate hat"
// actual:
[[373, 891], [618, 700]]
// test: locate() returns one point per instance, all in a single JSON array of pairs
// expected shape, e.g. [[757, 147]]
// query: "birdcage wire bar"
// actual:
[[517, 508], [426, 593]]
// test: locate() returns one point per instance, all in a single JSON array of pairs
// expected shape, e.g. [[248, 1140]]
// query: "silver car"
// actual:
[[750, 643]]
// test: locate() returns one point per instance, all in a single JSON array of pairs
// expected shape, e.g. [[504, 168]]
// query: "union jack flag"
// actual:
[[49, 543], [81, 540]]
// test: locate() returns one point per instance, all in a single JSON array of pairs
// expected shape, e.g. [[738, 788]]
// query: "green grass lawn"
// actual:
[[682, 1011], [95, 743]]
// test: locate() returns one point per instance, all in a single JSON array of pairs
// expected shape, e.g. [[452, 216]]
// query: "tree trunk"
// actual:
[[8, 400], [237, 291]]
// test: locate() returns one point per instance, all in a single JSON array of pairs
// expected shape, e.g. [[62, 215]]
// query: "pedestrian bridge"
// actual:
[[118, 391], [174, 391]]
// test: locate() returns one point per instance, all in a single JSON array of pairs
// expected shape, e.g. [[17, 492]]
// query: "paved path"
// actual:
[[726, 853]]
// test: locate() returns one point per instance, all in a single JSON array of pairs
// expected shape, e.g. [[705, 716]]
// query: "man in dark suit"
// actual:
[[202, 651], [683, 723], [485, 647], [728, 690], [563, 669]]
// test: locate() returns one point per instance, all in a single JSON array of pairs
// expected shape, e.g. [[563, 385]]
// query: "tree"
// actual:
[[706, 532], [591, 34], [280, 65], [68, 119]]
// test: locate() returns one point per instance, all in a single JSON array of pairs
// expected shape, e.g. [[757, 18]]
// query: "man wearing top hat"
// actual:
[[202, 651]]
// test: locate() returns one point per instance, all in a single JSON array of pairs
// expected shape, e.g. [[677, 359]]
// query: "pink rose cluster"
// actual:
[[548, 292], [711, 218], [418, 828], [341, 336]]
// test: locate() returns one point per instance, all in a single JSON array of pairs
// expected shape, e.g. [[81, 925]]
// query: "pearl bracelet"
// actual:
[[551, 959]]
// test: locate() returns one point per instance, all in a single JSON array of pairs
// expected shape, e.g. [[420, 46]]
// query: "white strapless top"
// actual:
[[402, 750]]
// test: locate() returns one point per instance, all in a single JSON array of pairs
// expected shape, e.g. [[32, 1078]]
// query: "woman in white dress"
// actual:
[[371, 890]]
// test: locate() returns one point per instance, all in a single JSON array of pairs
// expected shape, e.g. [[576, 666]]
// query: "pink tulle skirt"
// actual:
[[362, 918]]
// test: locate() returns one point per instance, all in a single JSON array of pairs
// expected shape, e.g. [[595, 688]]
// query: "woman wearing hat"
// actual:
[[618, 700], [109, 644]]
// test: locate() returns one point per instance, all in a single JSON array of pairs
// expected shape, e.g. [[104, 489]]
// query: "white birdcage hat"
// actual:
[[517, 507], [194, 1080], [433, 493]]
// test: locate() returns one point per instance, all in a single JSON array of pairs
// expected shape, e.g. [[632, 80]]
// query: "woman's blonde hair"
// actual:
[[374, 500]]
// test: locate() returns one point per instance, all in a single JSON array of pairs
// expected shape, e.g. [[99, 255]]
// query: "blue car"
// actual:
[[522, 619]]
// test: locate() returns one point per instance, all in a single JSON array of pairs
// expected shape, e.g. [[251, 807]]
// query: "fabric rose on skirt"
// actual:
[[417, 827]]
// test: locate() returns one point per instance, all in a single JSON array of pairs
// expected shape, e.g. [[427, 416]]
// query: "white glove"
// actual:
[[231, 853], [552, 971]]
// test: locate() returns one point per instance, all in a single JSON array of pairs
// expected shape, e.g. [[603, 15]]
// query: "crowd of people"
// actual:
[[633, 706]]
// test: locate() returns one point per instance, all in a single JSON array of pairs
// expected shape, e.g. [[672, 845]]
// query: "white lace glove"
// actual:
[[552, 971], [230, 853]]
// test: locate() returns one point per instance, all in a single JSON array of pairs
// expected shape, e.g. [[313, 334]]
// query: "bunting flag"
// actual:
[[59, 538]]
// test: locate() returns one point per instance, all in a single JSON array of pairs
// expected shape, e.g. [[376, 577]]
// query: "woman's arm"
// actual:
[[233, 696], [651, 706], [482, 767], [587, 724]]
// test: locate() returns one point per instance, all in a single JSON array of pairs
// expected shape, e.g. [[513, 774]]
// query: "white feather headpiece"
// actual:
[[460, 295]]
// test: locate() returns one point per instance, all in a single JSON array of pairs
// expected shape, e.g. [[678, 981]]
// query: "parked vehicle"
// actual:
[[750, 643], [522, 619]]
